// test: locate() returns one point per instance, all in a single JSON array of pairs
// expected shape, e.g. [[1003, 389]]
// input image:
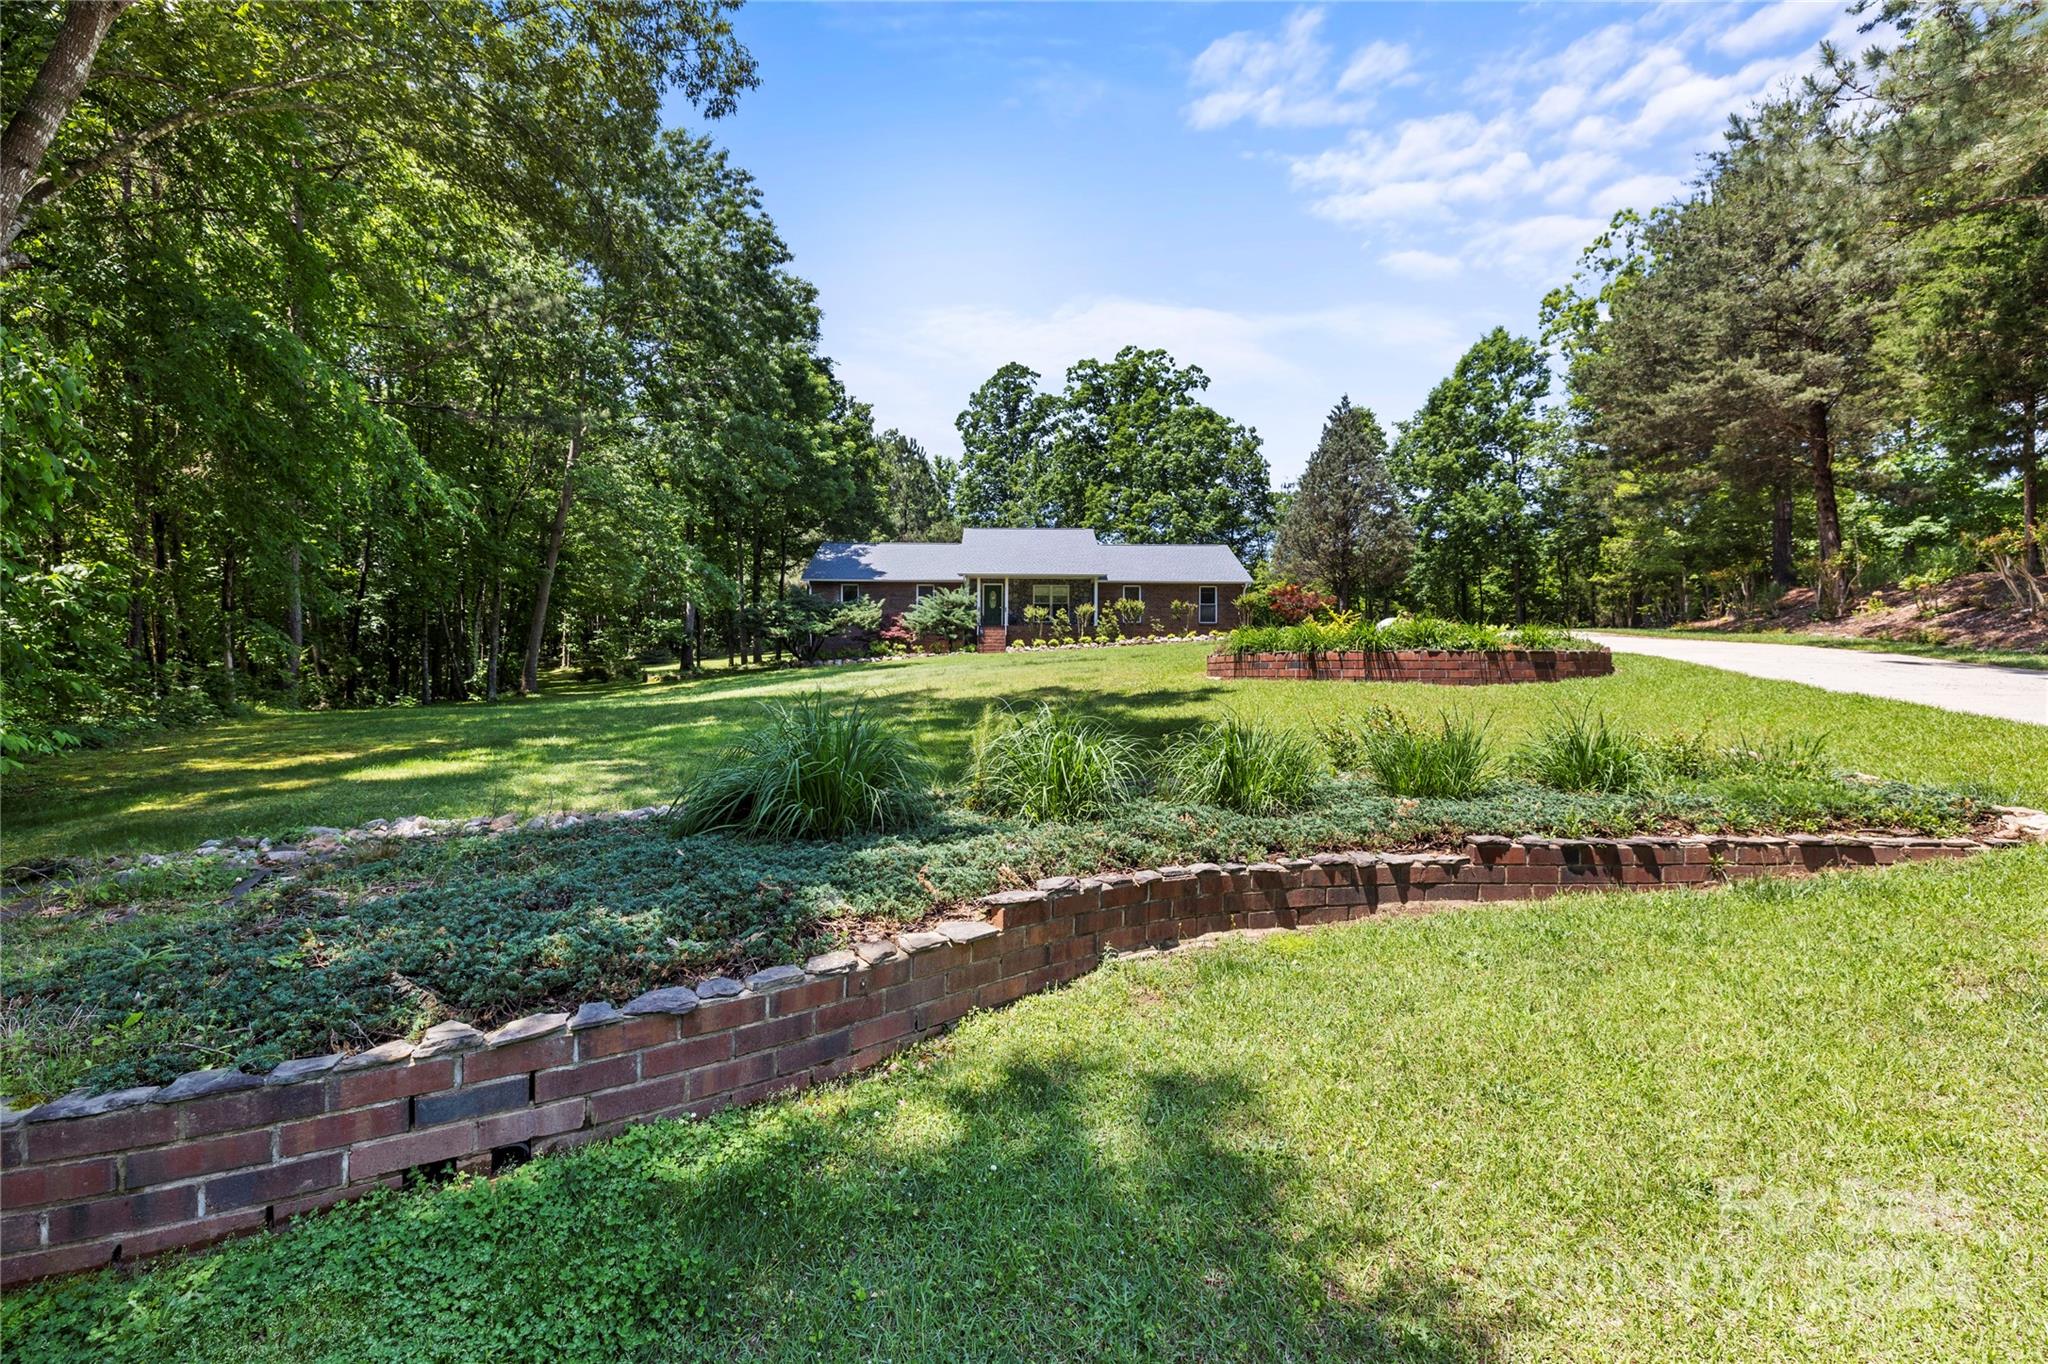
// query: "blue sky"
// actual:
[[1304, 201]]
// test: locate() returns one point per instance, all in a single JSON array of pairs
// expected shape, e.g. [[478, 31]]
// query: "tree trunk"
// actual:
[[2030, 494], [294, 620], [529, 679], [1827, 519], [227, 621], [754, 624], [50, 97], [355, 620], [497, 634], [1782, 573]]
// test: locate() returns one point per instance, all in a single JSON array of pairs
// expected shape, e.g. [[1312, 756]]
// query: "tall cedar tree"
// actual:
[[1344, 528]]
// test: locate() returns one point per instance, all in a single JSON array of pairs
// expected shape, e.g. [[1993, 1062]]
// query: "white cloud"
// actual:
[[1557, 105], [1639, 192], [1282, 81], [1419, 264], [1377, 63], [1770, 25], [1541, 246], [1546, 144]]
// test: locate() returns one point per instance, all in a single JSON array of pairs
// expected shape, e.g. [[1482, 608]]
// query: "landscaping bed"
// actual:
[[1438, 667], [134, 981], [1571, 1134], [1341, 647]]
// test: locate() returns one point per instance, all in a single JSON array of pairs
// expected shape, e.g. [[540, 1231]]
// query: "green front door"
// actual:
[[991, 603]]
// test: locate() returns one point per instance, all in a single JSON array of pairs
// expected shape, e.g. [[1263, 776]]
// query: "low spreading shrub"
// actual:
[[1449, 762], [1581, 751], [1049, 764], [1236, 765], [813, 769], [405, 933]]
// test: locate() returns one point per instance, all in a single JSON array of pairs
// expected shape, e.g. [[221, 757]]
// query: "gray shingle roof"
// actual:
[[1053, 553], [1174, 564], [902, 562], [1025, 553]]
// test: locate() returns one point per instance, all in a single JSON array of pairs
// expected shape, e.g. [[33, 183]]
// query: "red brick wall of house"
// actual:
[[1160, 597], [898, 597]]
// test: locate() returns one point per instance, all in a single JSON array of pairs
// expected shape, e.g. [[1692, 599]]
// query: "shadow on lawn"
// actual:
[[1055, 1207]]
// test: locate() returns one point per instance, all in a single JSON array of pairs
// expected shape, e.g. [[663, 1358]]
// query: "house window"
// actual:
[[1133, 592], [1205, 601], [925, 590], [848, 594], [1052, 596]]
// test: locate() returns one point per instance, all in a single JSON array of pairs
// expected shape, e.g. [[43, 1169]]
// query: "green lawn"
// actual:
[[595, 747], [1789, 1120], [2004, 658]]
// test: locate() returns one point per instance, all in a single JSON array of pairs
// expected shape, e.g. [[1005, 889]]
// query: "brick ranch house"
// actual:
[[1008, 570]]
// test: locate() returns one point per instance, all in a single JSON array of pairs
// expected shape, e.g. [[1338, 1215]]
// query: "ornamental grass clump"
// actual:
[[1450, 761], [1236, 765], [812, 769], [1581, 751], [1786, 756], [1050, 765]]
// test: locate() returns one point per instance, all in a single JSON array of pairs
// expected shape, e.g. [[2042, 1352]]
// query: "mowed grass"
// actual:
[[588, 747], [1787, 1120]]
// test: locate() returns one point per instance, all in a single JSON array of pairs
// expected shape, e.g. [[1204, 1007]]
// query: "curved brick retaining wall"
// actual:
[[91, 1180], [1445, 667]]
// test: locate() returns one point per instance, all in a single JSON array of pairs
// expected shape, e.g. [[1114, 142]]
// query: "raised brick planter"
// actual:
[[1445, 667], [87, 1181]]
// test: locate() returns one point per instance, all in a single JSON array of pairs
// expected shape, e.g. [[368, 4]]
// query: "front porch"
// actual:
[[1001, 604]]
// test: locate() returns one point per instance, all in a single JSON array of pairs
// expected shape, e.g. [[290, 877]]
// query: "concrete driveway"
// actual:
[[1975, 688]]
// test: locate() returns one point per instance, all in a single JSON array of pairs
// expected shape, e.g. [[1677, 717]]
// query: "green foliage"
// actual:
[[1047, 765], [1165, 1127], [814, 767], [1234, 764], [488, 929], [1582, 751], [949, 613], [1471, 461], [1782, 755], [1345, 525], [1126, 448], [1281, 603], [1450, 761], [1347, 631]]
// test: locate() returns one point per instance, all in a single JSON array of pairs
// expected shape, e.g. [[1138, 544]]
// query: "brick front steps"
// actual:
[[1445, 667], [85, 1181]]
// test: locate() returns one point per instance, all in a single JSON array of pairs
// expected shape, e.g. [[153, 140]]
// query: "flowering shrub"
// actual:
[[1281, 604]]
